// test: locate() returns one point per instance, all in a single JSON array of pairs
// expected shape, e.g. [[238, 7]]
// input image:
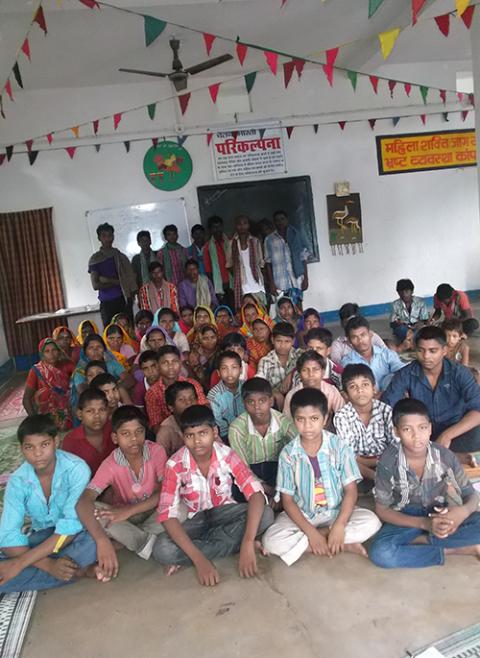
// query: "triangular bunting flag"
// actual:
[[373, 5], [395, 120], [40, 19], [29, 144], [353, 77], [26, 48], [288, 72], [95, 125], [408, 88], [261, 132], [50, 138], [329, 74], [250, 80], [391, 85], [183, 100], [71, 151], [9, 152], [387, 41], [209, 39], [445, 116], [127, 146], [8, 89], [460, 96], [116, 119], [342, 124], [209, 138], [16, 73], [241, 52], [443, 23], [91, 4], [2, 158], [289, 130], [32, 156], [464, 114], [372, 123], [299, 65], [181, 139], [272, 60], [213, 90], [416, 8], [76, 131], [315, 128], [424, 93], [461, 6], [284, 2], [331, 56], [151, 110], [423, 117], [374, 82], [97, 147], [443, 95], [467, 16], [153, 29], [154, 141]]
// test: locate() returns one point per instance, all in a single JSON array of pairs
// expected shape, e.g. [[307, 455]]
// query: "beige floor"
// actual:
[[318, 608]]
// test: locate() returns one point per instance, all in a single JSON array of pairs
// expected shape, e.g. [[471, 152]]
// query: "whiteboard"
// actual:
[[129, 220]]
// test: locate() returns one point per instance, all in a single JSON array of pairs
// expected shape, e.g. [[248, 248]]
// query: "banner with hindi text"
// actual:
[[248, 153], [398, 154]]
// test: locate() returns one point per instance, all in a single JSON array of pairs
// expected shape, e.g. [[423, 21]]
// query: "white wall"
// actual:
[[421, 225]]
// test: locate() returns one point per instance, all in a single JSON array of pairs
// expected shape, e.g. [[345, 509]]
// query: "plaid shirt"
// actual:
[[397, 485], [155, 405], [277, 253], [226, 406], [178, 258], [296, 478], [370, 441], [272, 370], [254, 448], [185, 483], [400, 312]]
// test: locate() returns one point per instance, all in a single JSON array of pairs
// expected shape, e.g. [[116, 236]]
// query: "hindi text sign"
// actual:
[[248, 153]]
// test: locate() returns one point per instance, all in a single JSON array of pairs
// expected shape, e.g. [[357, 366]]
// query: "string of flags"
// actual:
[[461, 6]]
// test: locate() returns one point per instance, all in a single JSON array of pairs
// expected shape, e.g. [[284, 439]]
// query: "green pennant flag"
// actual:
[[395, 120], [151, 110], [250, 80], [353, 77], [153, 29], [424, 93], [373, 5]]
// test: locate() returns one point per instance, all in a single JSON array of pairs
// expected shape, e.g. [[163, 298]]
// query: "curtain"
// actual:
[[30, 280]]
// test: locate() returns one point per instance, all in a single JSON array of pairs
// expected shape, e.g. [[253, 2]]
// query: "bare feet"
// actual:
[[170, 569], [358, 549], [93, 571], [260, 548], [465, 550], [62, 568]]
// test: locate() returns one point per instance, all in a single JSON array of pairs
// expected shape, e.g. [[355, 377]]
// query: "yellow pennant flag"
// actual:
[[75, 130], [461, 6], [387, 41]]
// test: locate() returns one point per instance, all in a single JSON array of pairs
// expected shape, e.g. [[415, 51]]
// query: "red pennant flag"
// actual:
[[183, 100], [328, 67], [29, 144], [374, 82], [91, 4], [467, 16], [423, 117], [241, 52], [272, 60], [287, 72], [464, 115], [116, 119], [289, 130], [2, 158], [408, 88], [71, 151], [234, 135], [26, 49], [443, 23], [342, 124], [209, 39], [50, 138], [391, 85], [443, 95], [299, 64], [416, 8], [209, 138], [8, 89], [460, 96], [329, 73], [372, 123], [155, 141], [40, 19], [213, 89], [95, 126]]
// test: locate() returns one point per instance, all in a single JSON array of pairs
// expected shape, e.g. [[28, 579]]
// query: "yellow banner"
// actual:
[[398, 154]]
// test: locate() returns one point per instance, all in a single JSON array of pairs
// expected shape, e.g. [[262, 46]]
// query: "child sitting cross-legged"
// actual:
[[200, 475], [46, 488], [364, 423], [226, 397], [178, 397], [427, 503], [134, 471], [279, 364], [259, 434], [317, 479]]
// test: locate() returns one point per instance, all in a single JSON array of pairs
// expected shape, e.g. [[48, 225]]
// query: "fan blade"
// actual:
[[208, 64], [154, 73]]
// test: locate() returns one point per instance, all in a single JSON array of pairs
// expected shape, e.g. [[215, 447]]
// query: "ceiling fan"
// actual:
[[179, 75]]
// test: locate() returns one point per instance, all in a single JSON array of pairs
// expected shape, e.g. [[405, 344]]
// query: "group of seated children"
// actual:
[[220, 435]]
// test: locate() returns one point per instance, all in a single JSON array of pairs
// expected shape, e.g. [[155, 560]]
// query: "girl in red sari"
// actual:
[[69, 349], [46, 388], [260, 344]]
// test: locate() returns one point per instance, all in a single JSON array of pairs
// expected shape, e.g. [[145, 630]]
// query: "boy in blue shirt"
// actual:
[[46, 488], [317, 479], [226, 397]]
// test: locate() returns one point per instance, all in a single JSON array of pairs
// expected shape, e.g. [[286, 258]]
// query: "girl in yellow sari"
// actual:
[[120, 344], [248, 313], [85, 328], [202, 315]]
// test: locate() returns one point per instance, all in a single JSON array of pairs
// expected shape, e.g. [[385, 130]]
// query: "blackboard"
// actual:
[[259, 200]]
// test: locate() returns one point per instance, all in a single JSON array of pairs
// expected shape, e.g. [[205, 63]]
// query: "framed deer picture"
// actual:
[[345, 224]]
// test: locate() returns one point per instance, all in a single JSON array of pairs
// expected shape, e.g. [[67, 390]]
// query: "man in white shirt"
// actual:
[[247, 265]]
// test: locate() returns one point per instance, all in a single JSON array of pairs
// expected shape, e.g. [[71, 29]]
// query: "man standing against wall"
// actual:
[[141, 261], [216, 258], [111, 273]]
